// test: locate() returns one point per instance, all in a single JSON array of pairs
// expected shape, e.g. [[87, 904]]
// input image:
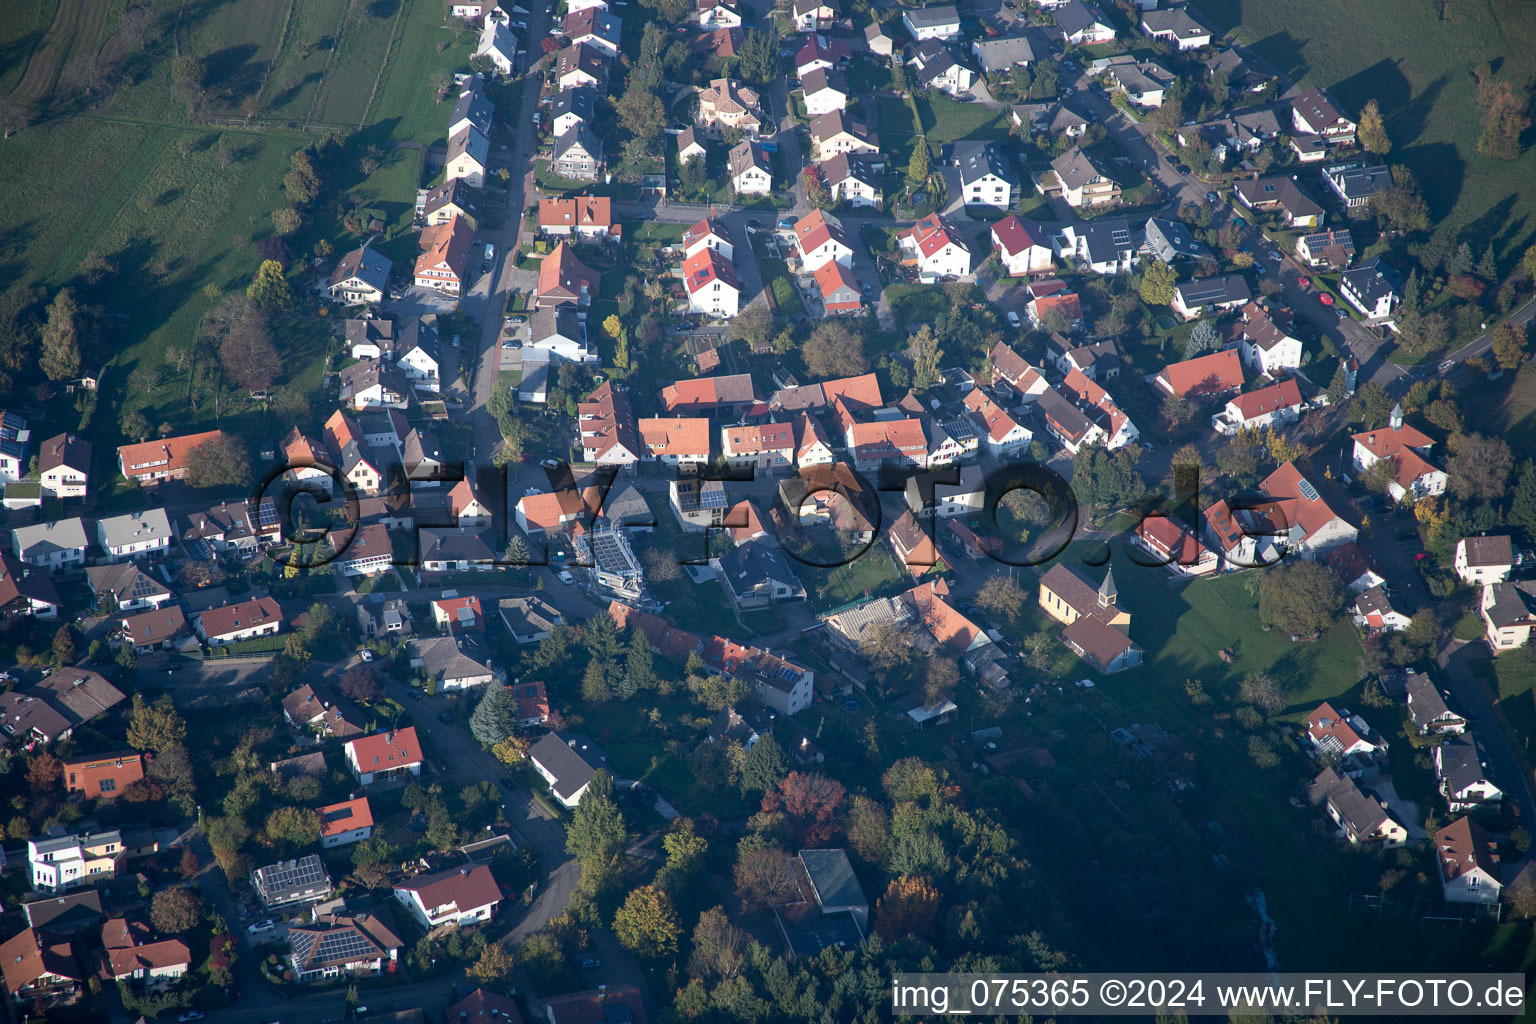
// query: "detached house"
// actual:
[[1024, 246], [767, 446], [346, 822], [1333, 248], [149, 462], [361, 275], [1266, 346], [384, 756], [820, 239], [1356, 183], [1283, 196], [711, 284], [1002, 434], [854, 179], [840, 292], [444, 261], [335, 946], [577, 155], [1275, 405], [1427, 709], [813, 15], [1175, 548], [1314, 113], [1413, 477], [241, 621], [52, 546], [941, 21], [609, 435], [459, 896], [1176, 26], [757, 575], [134, 534], [1469, 863], [64, 466], [1361, 819], [1484, 560], [1372, 287], [1341, 735], [836, 133], [749, 169], [1078, 180], [1082, 24], [1509, 612], [936, 247], [986, 177], [1463, 781], [567, 762], [935, 66], [824, 91], [727, 103], [1215, 373], [1193, 299], [469, 154]]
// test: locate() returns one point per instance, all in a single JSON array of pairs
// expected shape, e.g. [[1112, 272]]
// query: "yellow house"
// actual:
[[1066, 595]]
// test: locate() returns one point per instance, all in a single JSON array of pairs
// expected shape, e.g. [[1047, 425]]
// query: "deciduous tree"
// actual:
[[65, 336], [910, 906], [176, 910], [222, 461], [646, 924], [360, 684], [494, 967], [811, 802], [1157, 282], [1300, 598], [1479, 466], [834, 350], [1371, 131]]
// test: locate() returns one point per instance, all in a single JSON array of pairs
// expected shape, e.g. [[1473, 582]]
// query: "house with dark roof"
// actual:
[[66, 914], [1170, 241], [1469, 863], [336, 945], [64, 466], [1197, 298], [1427, 709], [1484, 559], [1462, 775], [291, 882], [835, 885], [987, 177], [1372, 287], [1082, 24], [361, 276], [757, 575], [1356, 183], [1281, 195], [567, 762], [1362, 820]]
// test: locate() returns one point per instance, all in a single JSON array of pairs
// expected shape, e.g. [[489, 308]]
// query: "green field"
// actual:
[[178, 203], [1418, 68], [944, 119]]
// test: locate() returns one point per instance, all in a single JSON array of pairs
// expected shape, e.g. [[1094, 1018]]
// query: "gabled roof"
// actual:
[[932, 234], [28, 955], [167, 455], [240, 615], [836, 122], [703, 393], [562, 275], [1279, 190], [817, 228], [1212, 373], [675, 436], [1076, 168], [1402, 446], [393, 749], [997, 423], [346, 816], [746, 155], [365, 264], [1463, 846], [979, 159], [1318, 110], [1284, 395], [707, 267], [571, 758], [1014, 234], [1488, 551], [832, 277], [1299, 501], [576, 212], [1074, 16], [466, 888], [64, 450], [1208, 291]]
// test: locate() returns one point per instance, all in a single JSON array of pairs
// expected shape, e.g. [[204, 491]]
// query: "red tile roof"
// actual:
[[466, 888], [393, 749], [706, 267], [1284, 395], [167, 455], [673, 643], [562, 272], [705, 393], [762, 437], [1013, 237], [243, 615], [998, 423], [576, 212], [683, 436], [1310, 513], [345, 817], [1210, 374]]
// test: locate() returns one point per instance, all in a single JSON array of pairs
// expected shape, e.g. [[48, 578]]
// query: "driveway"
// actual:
[[420, 302]]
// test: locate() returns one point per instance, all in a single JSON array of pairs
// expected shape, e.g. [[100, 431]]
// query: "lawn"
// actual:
[[1417, 66], [1506, 408], [944, 119], [178, 206], [916, 304], [1512, 679], [785, 295], [872, 574]]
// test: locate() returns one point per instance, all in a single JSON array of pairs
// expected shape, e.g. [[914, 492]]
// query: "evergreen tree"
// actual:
[[597, 829], [1202, 339], [495, 717], [639, 669], [918, 168], [63, 337], [1338, 385], [1460, 261], [764, 767], [1488, 266], [1522, 505]]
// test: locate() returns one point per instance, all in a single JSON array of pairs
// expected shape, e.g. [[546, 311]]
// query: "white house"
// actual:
[[469, 152], [750, 172], [134, 534], [64, 466], [1082, 24], [986, 177], [1023, 246], [385, 755], [361, 276], [1413, 476], [853, 178], [1371, 287], [1469, 863], [820, 238], [567, 762], [710, 280], [56, 545], [1267, 348], [824, 91], [240, 621], [935, 247], [459, 896], [712, 234], [1001, 432], [499, 45], [941, 21], [1192, 299], [1463, 781], [1483, 560], [346, 822], [1177, 26], [1276, 405]]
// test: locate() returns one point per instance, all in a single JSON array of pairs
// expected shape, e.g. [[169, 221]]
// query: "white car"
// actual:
[[1013, 319], [366, 655], [261, 926], [565, 577]]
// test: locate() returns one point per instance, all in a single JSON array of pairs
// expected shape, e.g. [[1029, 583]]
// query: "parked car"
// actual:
[[1276, 255], [565, 577], [259, 927], [365, 654], [786, 222], [1013, 319], [1212, 198]]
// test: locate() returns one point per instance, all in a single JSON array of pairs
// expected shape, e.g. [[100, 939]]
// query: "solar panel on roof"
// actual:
[[712, 498], [144, 588], [1307, 490], [266, 513]]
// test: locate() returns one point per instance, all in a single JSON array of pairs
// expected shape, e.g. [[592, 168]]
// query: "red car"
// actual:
[[1303, 282], [1325, 299]]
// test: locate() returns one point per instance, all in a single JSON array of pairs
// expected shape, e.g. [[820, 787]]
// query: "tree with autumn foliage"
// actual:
[[494, 966], [910, 906], [646, 924], [44, 772], [811, 803]]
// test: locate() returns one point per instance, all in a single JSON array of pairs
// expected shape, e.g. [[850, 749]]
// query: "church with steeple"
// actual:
[[1097, 627]]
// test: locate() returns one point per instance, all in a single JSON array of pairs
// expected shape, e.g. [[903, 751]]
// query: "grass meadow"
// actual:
[[179, 206], [1418, 66]]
